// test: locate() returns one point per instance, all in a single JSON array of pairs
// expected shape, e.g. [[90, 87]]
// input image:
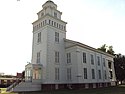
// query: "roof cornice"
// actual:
[[86, 46], [49, 16]]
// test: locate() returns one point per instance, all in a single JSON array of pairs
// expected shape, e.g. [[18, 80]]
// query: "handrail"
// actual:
[[14, 84]]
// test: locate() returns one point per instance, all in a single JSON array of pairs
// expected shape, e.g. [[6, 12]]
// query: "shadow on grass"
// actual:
[[108, 90]]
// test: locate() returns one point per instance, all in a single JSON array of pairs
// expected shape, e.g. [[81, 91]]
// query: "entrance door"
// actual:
[[37, 73]]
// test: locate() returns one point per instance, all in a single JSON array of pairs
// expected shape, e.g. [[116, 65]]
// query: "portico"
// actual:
[[33, 72]]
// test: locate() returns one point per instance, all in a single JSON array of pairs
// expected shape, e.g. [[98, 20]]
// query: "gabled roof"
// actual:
[[75, 43]]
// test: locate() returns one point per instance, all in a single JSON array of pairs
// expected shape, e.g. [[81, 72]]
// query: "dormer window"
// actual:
[[55, 14]]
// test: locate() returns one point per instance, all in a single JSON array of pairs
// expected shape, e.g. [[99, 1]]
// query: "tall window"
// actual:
[[56, 57], [99, 73], [84, 57], [93, 74], [105, 75], [52, 23], [39, 37], [68, 57], [85, 73], [69, 75], [38, 57], [49, 21], [59, 26], [92, 59], [98, 60], [56, 73], [109, 64], [111, 75], [55, 14], [43, 23], [55, 24], [103, 62], [56, 37], [39, 25]]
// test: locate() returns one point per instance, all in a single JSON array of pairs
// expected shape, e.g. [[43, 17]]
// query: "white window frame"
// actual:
[[84, 57], [38, 58], [55, 14], [93, 73], [105, 74], [56, 57], [69, 74], [68, 58], [56, 73], [103, 62], [99, 74], [57, 37], [92, 59], [85, 73], [98, 60], [39, 37]]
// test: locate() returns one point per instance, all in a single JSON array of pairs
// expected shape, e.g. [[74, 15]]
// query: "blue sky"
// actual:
[[92, 22]]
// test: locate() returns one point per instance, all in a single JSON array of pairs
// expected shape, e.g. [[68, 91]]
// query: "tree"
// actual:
[[103, 48], [23, 74], [119, 64], [110, 50]]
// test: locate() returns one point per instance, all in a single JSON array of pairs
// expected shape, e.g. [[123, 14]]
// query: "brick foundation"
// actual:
[[74, 86]]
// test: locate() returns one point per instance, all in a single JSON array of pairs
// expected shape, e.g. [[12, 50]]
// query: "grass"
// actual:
[[3, 91], [108, 90]]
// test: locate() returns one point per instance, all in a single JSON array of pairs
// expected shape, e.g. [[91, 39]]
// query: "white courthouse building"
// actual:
[[58, 62]]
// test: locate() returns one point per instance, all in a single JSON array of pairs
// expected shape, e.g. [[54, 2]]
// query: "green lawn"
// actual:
[[3, 91], [108, 90]]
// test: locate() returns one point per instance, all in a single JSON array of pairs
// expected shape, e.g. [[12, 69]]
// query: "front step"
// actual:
[[27, 86]]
